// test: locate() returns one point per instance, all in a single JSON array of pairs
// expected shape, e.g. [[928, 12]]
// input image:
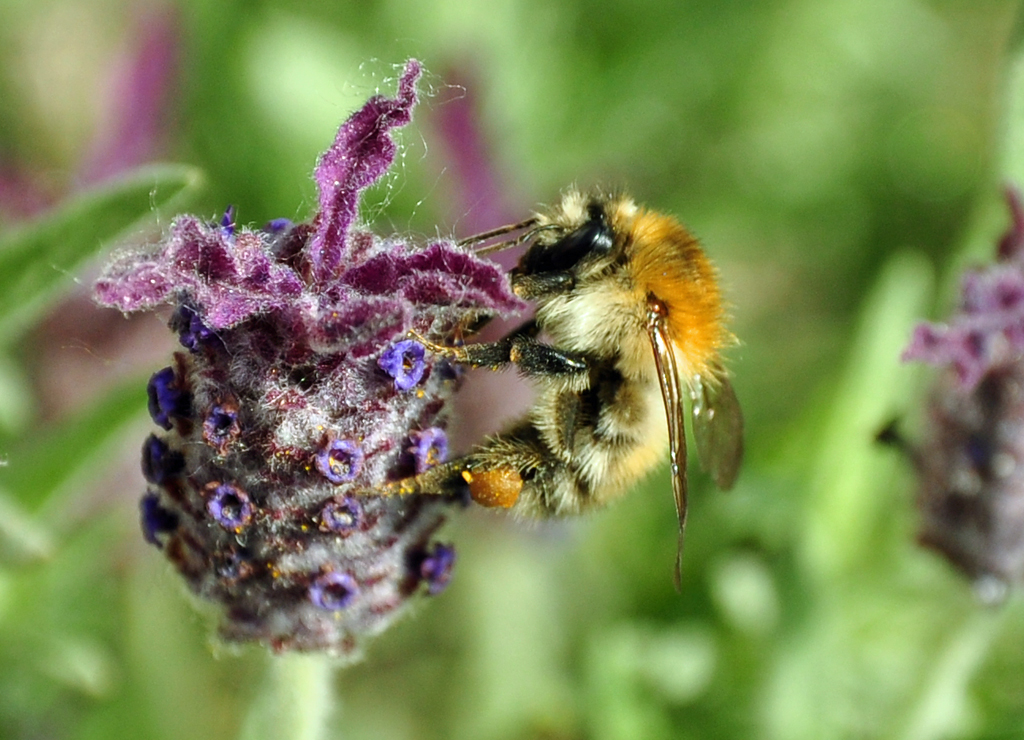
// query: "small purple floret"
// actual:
[[404, 362], [159, 462], [340, 461], [333, 591], [166, 400], [277, 225], [233, 565], [342, 516], [227, 222], [436, 568], [220, 427], [429, 448], [192, 332], [155, 519], [229, 506]]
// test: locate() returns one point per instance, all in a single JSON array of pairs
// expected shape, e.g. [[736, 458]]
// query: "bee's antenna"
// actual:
[[501, 230]]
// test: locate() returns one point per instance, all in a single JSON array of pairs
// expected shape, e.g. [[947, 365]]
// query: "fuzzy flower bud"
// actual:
[[971, 467], [296, 399]]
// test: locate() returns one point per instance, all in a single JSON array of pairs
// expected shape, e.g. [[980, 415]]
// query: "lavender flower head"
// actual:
[[294, 400], [972, 466]]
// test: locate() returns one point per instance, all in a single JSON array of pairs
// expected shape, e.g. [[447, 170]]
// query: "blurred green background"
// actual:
[[840, 159]]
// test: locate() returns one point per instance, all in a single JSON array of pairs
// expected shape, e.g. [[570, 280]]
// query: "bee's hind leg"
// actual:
[[513, 469], [472, 477]]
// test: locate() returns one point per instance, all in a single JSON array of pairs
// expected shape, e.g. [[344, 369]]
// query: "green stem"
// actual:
[[296, 701]]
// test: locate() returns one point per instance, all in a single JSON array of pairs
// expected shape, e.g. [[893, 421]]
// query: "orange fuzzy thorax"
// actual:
[[669, 264]]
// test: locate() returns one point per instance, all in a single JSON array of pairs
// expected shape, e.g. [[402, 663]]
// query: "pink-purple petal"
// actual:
[[361, 153]]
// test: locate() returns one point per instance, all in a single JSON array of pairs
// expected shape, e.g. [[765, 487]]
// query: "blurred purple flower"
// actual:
[[989, 329], [135, 117], [436, 568], [479, 191], [292, 428], [971, 466], [141, 98], [480, 198]]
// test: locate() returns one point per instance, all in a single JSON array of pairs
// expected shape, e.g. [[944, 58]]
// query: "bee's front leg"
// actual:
[[519, 348]]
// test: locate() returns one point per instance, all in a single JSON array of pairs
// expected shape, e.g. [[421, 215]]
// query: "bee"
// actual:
[[634, 318]]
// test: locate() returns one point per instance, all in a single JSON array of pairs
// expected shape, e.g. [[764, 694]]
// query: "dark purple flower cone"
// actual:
[[299, 397], [972, 464]]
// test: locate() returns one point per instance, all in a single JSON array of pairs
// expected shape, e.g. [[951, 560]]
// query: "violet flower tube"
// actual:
[[293, 400]]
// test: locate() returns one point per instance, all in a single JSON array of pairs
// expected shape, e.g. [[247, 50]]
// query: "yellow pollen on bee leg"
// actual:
[[495, 488]]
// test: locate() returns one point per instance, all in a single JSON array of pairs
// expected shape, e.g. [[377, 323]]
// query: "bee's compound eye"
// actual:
[[495, 488], [592, 238]]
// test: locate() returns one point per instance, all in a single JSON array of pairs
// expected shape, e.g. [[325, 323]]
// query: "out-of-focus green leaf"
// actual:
[[38, 258], [47, 461], [16, 402], [21, 538], [846, 501]]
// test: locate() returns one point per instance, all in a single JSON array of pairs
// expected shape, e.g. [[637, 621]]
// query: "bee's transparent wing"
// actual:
[[717, 428], [671, 392]]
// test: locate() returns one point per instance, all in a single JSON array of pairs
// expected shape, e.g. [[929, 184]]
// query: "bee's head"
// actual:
[[580, 237]]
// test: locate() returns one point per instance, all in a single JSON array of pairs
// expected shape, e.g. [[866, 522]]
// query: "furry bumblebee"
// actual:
[[635, 319]]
